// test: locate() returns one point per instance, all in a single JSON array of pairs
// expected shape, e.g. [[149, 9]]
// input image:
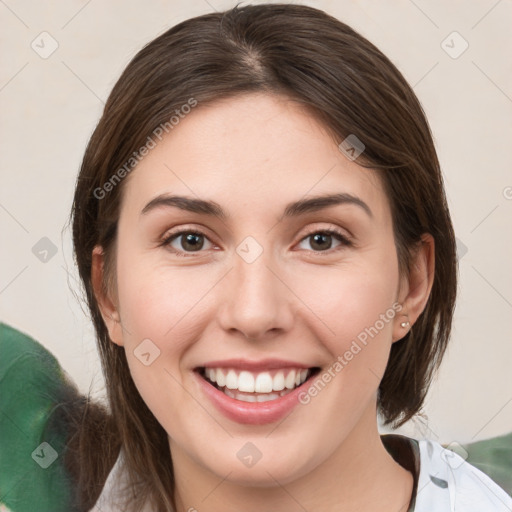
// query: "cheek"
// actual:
[[355, 308], [351, 299], [160, 308], [355, 324], [160, 301]]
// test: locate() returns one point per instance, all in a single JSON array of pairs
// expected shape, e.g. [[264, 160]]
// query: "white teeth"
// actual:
[[263, 382], [289, 382], [230, 393], [239, 396], [244, 397], [220, 378], [246, 382], [231, 380], [278, 381], [267, 397]]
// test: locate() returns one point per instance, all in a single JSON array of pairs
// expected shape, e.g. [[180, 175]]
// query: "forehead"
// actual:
[[253, 152]]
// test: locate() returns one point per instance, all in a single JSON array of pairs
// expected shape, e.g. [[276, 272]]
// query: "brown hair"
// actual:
[[308, 56]]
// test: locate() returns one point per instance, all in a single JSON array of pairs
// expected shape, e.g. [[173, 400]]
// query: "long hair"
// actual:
[[309, 56]]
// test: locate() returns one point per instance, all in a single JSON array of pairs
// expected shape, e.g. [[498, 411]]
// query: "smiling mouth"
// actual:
[[257, 386]]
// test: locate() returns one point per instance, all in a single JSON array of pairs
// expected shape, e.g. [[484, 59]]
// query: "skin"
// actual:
[[253, 155]]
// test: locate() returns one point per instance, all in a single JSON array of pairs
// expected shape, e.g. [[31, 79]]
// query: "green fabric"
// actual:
[[32, 384], [493, 457]]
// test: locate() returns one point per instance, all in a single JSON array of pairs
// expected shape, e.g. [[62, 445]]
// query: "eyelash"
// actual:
[[345, 242]]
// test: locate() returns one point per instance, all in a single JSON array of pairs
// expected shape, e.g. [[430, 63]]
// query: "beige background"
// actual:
[[49, 107]]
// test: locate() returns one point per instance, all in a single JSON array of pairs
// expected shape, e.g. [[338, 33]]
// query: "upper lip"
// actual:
[[255, 366]]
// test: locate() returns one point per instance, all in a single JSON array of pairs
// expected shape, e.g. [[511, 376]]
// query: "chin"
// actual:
[[268, 471]]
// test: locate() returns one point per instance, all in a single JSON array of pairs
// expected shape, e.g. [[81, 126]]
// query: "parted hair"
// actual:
[[308, 56]]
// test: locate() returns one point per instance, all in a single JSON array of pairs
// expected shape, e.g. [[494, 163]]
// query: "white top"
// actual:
[[447, 483]]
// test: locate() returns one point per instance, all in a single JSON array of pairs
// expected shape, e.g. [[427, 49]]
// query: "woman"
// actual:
[[262, 232]]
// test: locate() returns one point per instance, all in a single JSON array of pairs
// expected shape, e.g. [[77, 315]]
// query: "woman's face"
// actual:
[[261, 295]]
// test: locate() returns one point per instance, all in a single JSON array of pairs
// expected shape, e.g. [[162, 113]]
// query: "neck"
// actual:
[[360, 476]]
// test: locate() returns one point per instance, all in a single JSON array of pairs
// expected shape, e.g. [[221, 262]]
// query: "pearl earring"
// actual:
[[404, 324]]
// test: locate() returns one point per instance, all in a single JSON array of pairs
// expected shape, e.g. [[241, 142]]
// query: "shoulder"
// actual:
[[116, 489], [112, 490], [447, 482]]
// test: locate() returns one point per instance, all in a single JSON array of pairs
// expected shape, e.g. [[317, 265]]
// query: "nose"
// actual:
[[256, 301]]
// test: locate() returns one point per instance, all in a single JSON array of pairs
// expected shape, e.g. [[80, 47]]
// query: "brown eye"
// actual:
[[322, 240], [183, 242], [192, 242]]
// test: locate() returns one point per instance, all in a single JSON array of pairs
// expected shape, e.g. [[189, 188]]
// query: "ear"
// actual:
[[108, 309], [415, 287]]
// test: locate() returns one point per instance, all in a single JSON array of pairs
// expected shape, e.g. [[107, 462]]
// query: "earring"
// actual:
[[404, 324]]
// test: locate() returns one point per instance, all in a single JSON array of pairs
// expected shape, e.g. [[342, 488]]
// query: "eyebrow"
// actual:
[[293, 209]]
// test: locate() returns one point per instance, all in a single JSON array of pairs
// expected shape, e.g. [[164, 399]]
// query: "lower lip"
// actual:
[[254, 413]]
